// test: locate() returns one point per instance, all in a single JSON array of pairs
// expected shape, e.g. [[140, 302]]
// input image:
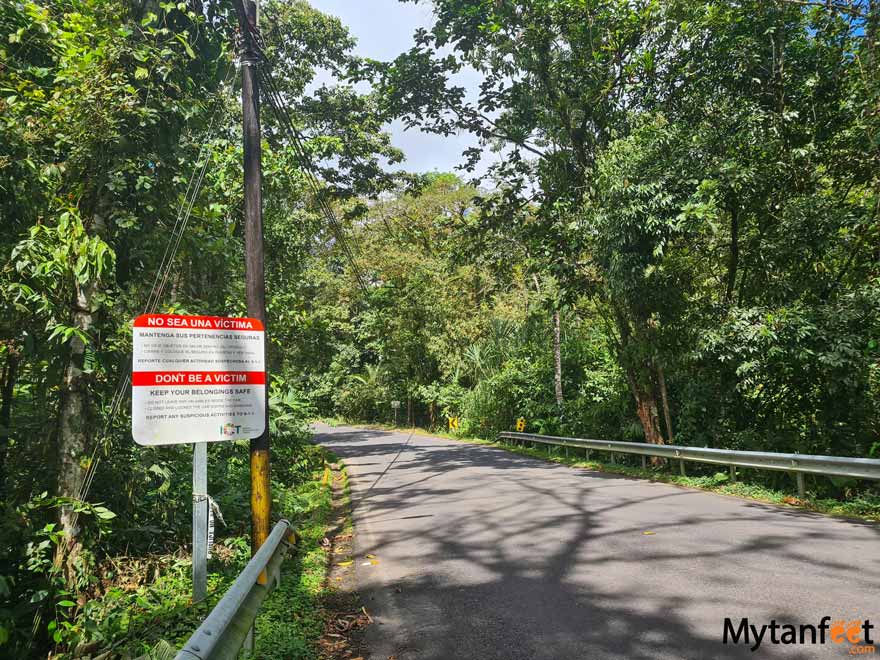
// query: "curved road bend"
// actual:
[[487, 555]]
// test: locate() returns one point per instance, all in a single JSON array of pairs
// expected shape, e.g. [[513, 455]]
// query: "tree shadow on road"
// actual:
[[488, 554]]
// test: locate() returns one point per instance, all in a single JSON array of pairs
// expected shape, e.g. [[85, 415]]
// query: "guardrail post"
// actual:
[[681, 468], [588, 454], [733, 474], [801, 486], [644, 462]]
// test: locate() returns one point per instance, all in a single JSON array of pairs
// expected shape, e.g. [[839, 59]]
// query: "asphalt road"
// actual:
[[483, 554]]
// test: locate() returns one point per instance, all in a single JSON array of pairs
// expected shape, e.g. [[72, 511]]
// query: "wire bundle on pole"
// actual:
[[297, 142]]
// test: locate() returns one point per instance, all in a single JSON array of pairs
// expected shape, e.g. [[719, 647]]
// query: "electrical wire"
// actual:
[[309, 170], [297, 142]]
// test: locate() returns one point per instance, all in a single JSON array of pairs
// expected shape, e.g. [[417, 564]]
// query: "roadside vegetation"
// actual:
[[680, 247], [138, 604], [667, 231], [749, 483]]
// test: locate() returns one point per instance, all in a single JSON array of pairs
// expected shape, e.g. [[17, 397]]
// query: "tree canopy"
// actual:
[[678, 241]]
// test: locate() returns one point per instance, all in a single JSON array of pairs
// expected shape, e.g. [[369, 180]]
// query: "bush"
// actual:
[[358, 400], [519, 389]]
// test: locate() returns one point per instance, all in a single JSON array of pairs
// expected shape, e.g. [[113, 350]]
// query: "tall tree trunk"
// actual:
[[641, 379], [73, 436], [661, 380], [647, 410], [557, 355], [10, 372], [733, 263], [75, 412]]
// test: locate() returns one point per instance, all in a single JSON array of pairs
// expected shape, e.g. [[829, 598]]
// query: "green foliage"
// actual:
[[33, 587], [291, 620], [690, 188], [133, 602], [106, 110]]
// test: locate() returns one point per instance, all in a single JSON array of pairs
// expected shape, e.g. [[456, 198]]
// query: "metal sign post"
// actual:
[[200, 522]]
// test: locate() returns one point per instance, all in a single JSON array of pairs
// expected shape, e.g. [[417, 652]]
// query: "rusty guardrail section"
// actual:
[[798, 464], [229, 626]]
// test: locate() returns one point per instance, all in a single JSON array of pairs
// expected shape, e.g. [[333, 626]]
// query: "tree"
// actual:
[[610, 112], [97, 84], [555, 93]]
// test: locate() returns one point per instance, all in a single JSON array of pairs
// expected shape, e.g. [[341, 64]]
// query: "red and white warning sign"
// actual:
[[197, 379]]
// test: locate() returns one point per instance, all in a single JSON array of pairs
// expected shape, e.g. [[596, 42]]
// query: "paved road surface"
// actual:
[[487, 555]]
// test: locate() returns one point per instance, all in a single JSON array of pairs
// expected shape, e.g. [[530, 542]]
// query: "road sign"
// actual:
[[197, 379], [453, 423], [521, 424], [395, 404]]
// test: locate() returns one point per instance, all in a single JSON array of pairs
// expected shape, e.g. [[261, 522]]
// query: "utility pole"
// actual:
[[255, 282]]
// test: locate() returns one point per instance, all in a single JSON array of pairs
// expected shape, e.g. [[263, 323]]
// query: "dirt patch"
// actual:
[[346, 614]]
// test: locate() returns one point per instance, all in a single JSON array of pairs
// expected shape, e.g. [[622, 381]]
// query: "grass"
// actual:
[[292, 619], [863, 506], [148, 621]]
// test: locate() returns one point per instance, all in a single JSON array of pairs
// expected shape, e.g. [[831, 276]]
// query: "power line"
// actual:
[[282, 116]]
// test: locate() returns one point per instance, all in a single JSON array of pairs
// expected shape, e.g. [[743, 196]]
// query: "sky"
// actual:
[[384, 29]]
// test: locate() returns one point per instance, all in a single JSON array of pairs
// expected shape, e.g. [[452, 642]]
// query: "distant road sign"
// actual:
[[453, 423], [521, 424], [197, 379], [395, 404]]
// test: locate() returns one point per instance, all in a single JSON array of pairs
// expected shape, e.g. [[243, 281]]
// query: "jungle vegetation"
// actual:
[[678, 241]]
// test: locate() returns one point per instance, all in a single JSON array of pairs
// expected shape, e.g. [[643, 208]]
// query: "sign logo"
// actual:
[[855, 633], [229, 430]]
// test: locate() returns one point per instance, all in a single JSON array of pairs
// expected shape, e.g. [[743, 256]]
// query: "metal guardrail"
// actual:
[[798, 464], [229, 626]]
